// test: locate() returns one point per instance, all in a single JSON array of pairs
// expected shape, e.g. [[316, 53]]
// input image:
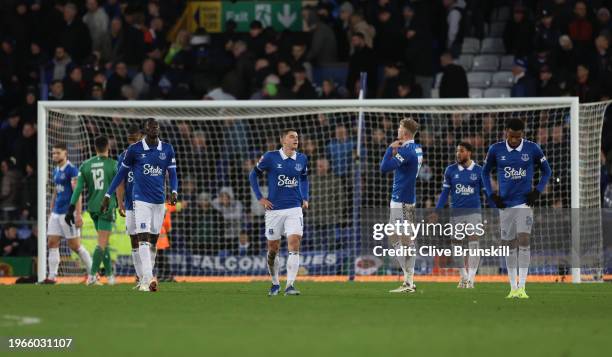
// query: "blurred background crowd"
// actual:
[[138, 50]]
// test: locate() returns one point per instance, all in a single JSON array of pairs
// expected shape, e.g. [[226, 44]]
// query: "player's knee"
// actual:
[[523, 240], [74, 245], [274, 246]]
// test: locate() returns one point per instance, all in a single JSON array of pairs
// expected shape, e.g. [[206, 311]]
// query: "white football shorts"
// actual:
[[58, 227], [148, 217], [514, 220], [285, 222]]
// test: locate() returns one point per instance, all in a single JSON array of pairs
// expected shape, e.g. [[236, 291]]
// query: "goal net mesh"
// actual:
[[218, 226]]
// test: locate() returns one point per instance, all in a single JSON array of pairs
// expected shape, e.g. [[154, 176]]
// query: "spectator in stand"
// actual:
[[237, 81], [388, 87], [407, 88], [208, 226], [342, 30], [362, 59], [580, 28], [57, 90], [75, 87], [10, 189], [97, 92], [59, 64], [547, 31], [75, 37], [340, 152], [519, 33], [97, 22], [29, 109], [323, 46], [453, 83], [145, 81], [256, 40], [566, 59], [29, 197], [232, 212], [328, 90], [524, 84], [325, 214], [601, 62], [302, 88], [419, 55], [584, 87], [603, 25], [388, 36], [25, 146], [360, 26], [134, 36], [548, 85], [10, 130], [10, 245], [118, 79], [454, 35]]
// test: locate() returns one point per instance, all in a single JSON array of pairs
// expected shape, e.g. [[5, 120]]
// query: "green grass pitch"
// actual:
[[328, 319]]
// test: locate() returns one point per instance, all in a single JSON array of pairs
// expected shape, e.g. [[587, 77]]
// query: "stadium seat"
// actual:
[[485, 63], [501, 14], [497, 93], [476, 93], [470, 45], [507, 62], [502, 80], [465, 61], [492, 46], [496, 29], [335, 71], [479, 79]]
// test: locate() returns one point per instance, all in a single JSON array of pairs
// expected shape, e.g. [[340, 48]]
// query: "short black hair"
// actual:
[[149, 120], [466, 145], [515, 124], [61, 146], [101, 143], [134, 129], [286, 131]]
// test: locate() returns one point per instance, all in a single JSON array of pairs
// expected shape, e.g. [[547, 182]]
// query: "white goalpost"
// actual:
[[217, 229]]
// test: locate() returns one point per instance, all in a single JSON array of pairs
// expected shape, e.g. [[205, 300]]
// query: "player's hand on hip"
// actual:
[[305, 204], [532, 197], [105, 204], [122, 209], [173, 199], [499, 203], [70, 216], [265, 203]]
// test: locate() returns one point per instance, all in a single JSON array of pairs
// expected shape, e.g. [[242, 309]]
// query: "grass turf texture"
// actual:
[[328, 319]]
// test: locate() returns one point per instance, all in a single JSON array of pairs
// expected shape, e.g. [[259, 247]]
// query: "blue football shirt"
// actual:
[[62, 179], [405, 165], [286, 178]]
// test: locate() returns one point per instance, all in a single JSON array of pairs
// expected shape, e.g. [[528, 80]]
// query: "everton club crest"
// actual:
[[525, 157], [298, 167], [473, 177], [162, 156]]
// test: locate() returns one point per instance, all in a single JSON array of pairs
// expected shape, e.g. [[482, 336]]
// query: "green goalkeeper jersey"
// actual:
[[96, 174]]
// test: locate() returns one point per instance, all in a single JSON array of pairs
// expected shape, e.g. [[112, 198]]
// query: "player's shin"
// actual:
[[273, 266], [137, 263], [524, 258], [85, 258], [98, 255], [293, 265], [144, 250], [511, 265], [54, 260], [473, 260], [459, 262], [107, 262]]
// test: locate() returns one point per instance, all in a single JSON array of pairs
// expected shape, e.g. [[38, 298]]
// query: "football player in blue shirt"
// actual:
[[126, 205], [150, 160], [463, 183], [404, 158], [287, 175], [65, 176], [515, 161]]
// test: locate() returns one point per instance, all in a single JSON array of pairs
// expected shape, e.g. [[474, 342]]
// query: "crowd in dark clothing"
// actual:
[[128, 50]]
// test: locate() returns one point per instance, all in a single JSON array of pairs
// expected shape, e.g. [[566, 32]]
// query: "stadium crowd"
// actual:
[[127, 50]]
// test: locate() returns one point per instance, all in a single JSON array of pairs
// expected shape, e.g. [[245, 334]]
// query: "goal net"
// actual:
[[217, 229]]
